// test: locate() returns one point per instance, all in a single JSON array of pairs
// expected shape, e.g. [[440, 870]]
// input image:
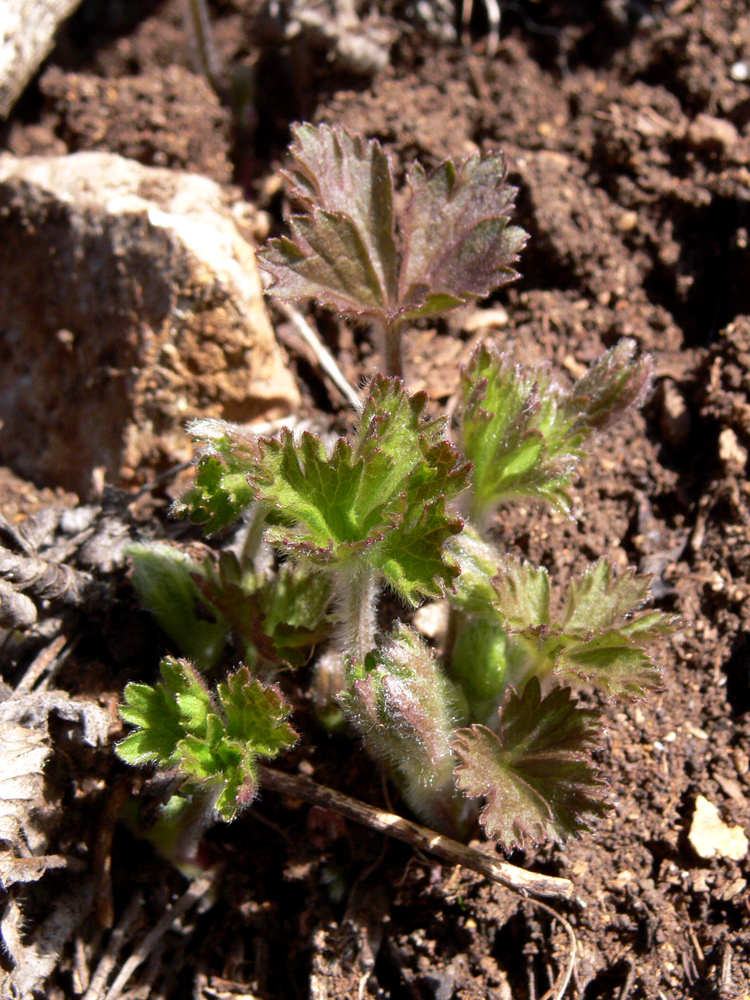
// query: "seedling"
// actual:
[[486, 727]]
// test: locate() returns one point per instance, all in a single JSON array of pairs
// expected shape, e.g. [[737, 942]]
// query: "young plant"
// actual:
[[352, 251], [491, 716]]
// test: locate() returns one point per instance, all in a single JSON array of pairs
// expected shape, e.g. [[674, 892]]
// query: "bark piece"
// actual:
[[130, 302]]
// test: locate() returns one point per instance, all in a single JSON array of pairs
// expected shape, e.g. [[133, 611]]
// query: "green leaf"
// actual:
[[514, 430], [255, 714], [221, 491], [597, 635], [458, 245], [536, 771], [596, 600], [524, 434], [522, 595], [164, 714], [164, 579], [380, 502], [214, 741], [478, 561]]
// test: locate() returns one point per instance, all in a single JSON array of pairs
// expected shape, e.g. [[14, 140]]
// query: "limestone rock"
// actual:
[[129, 302]]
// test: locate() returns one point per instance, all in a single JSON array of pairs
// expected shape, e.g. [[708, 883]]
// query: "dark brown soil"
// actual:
[[628, 134]]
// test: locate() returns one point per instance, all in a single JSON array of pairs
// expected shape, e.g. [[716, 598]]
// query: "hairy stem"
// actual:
[[388, 340], [357, 592]]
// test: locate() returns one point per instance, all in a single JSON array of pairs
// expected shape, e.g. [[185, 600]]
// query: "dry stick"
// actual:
[[42, 662], [117, 939], [558, 990], [188, 899], [529, 884], [325, 359]]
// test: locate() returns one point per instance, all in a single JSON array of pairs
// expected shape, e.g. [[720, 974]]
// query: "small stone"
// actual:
[[431, 619], [730, 787], [740, 72], [674, 419], [731, 451], [628, 221], [484, 319], [741, 761], [712, 134], [710, 836], [734, 889]]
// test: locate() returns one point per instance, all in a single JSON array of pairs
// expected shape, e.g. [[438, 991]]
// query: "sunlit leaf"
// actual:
[[536, 770]]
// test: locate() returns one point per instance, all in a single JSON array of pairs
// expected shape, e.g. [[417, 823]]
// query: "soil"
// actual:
[[627, 130]]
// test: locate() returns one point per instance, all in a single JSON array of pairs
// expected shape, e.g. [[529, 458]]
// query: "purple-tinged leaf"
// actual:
[[616, 384], [458, 245], [344, 251], [536, 771], [348, 175], [405, 710]]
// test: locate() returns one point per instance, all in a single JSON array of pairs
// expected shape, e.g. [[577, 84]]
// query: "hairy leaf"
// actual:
[[536, 771], [458, 245], [278, 616], [343, 252], [380, 501], [478, 561], [212, 741], [524, 434], [406, 709], [596, 634], [165, 581], [220, 492]]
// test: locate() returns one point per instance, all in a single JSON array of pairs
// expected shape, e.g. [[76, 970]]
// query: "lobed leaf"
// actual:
[[598, 634], [514, 430], [458, 245], [381, 500], [164, 714], [343, 252], [212, 741], [535, 771], [523, 434], [220, 492]]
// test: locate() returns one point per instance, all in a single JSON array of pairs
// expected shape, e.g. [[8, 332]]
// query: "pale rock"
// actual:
[[674, 419], [731, 451], [710, 836], [130, 302]]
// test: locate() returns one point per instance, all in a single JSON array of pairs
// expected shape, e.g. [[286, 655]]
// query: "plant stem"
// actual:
[[420, 837], [356, 600], [199, 26], [388, 337]]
